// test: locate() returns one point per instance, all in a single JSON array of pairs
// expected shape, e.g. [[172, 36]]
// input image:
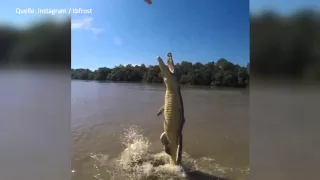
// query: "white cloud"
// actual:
[[84, 24], [117, 41], [81, 23], [96, 30]]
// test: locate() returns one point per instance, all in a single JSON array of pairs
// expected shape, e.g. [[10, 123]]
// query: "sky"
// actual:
[[133, 32]]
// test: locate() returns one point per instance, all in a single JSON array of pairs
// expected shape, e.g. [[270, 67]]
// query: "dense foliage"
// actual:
[[285, 46], [47, 43], [222, 73]]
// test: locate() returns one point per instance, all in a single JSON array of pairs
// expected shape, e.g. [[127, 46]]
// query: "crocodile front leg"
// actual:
[[160, 110]]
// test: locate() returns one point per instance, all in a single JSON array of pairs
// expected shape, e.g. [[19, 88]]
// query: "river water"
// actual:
[[116, 132]]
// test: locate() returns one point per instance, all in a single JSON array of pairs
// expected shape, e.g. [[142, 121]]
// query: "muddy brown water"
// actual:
[[216, 132]]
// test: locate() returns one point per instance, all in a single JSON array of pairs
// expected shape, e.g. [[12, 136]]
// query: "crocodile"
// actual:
[[173, 112]]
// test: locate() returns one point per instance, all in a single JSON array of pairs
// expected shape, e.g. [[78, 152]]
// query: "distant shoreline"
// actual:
[[219, 74], [184, 85]]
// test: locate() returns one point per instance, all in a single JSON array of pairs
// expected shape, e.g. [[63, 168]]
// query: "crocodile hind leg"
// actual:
[[165, 142], [173, 149]]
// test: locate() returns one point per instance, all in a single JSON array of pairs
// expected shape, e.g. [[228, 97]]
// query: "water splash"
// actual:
[[137, 162]]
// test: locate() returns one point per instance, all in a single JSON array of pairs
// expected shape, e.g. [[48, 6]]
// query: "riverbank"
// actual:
[[220, 73], [155, 83]]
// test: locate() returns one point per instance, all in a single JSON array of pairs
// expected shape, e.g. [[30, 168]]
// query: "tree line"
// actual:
[[42, 44], [221, 73], [285, 46]]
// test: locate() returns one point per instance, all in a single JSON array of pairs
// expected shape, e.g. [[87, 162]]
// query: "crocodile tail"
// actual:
[[179, 150]]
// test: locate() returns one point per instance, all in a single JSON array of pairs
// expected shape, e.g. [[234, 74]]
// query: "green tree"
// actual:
[[102, 73], [224, 73], [285, 46]]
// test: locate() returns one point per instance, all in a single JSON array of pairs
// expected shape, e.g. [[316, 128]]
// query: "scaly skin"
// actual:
[[173, 112]]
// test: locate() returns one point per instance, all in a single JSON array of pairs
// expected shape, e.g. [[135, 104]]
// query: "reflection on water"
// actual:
[[106, 146]]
